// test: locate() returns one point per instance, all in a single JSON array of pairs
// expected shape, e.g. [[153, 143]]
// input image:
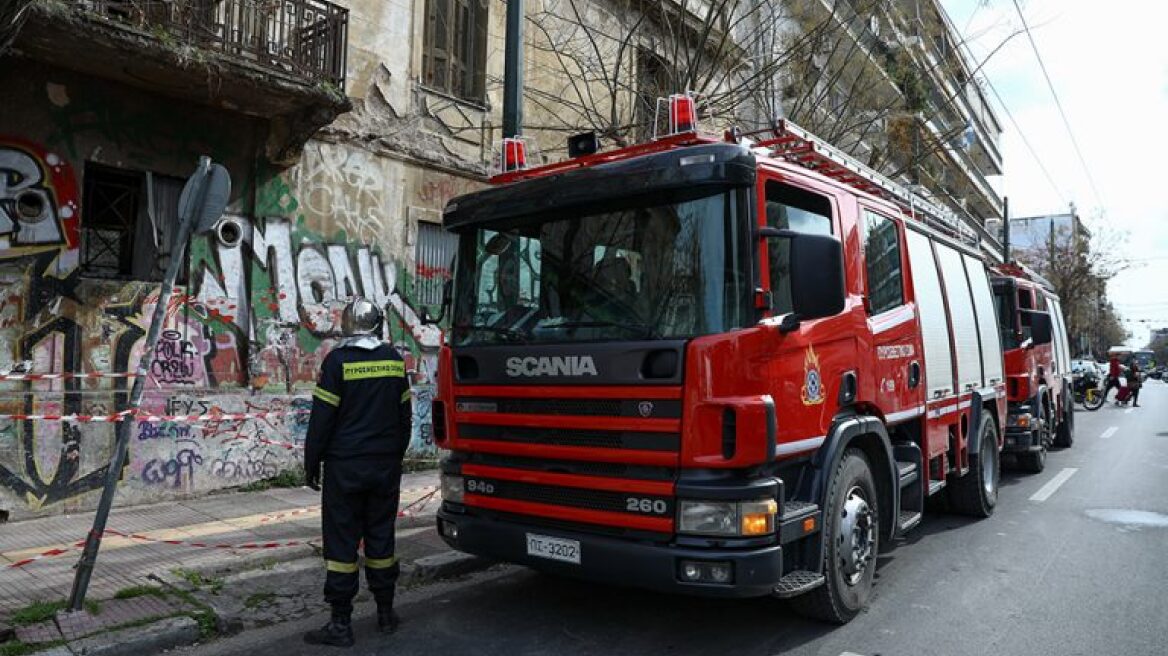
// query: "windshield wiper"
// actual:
[[642, 329], [498, 330]]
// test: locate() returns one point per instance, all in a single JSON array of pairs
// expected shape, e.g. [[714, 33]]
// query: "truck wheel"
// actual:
[[852, 540], [976, 493], [1064, 438], [1035, 461]]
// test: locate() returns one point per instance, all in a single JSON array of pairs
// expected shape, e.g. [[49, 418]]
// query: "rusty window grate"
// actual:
[[433, 254]]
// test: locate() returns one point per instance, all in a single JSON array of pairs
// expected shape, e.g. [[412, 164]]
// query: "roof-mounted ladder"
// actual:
[[791, 142]]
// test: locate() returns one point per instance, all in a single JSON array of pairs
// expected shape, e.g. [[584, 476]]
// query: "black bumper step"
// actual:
[[907, 520], [798, 582]]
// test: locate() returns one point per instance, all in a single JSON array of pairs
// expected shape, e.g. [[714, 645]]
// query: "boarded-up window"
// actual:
[[434, 255], [455, 53]]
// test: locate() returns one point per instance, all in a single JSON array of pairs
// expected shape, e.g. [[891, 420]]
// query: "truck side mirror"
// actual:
[[816, 270], [447, 299], [1041, 326]]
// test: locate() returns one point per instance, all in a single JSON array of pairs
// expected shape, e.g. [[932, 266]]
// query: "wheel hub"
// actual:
[[857, 536]]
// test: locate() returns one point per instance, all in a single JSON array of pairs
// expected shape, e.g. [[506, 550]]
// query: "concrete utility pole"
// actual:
[[513, 71], [1006, 229]]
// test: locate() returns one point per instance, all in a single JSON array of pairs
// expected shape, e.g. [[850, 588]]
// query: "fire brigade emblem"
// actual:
[[645, 408], [812, 382]]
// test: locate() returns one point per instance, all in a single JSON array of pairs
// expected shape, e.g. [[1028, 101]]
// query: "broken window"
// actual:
[[455, 53], [128, 220]]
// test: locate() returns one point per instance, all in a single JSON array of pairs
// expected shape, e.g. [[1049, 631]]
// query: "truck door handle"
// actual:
[[914, 374]]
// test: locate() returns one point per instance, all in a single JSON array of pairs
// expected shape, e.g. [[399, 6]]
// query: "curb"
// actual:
[[147, 639], [442, 565]]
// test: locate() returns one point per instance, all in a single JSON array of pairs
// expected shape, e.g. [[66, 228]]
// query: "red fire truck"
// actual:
[[1038, 366], [731, 367]]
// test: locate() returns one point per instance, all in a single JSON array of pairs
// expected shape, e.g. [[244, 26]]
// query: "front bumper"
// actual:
[[1021, 440], [615, 561]]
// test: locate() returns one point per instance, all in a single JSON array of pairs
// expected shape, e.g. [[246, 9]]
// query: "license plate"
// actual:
[[544, 546]]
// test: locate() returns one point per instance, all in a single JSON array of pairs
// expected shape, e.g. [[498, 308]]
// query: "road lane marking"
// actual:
[[1109, 432], [1053, 484]]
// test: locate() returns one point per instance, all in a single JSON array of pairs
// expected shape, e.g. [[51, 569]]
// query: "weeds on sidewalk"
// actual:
[[291, 477], [139, 591], [203, 615], [41, 611], [214, 586]]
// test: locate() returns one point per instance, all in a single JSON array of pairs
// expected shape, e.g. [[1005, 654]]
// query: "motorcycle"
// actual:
[[1087, 392]]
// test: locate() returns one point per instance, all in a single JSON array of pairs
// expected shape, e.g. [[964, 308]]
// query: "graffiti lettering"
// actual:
[[254, 464], [174, 359], [164, 431], [174, 470]]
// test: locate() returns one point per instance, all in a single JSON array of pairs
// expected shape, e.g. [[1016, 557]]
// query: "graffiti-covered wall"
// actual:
[[254, 317]]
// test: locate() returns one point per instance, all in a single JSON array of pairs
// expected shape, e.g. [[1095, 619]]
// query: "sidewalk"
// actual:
[[224, 533]]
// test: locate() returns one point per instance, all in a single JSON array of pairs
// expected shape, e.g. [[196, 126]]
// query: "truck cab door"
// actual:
[[898, 363]]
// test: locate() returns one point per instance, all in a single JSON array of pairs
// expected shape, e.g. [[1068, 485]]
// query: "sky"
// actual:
[[1108, 64]]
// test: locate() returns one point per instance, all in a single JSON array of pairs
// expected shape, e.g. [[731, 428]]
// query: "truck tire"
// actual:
[[1064, 437], [852, 541], [976, 493], [1035, 461]]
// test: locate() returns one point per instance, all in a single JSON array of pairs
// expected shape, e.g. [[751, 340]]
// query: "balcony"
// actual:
[[275, 59]]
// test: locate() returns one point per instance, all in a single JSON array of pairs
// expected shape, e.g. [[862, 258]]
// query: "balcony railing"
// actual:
[[306, 38]]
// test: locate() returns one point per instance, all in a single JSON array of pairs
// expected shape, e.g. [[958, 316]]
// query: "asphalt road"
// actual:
[[1073, 562]]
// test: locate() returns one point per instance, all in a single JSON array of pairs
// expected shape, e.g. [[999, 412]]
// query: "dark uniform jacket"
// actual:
[[361, 406]]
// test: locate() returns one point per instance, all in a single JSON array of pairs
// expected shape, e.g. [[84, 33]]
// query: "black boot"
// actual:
[[387, 619], [337, 633]]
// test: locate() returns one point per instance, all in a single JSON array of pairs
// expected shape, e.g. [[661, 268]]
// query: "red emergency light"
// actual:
[[682, 114], [514, 154]]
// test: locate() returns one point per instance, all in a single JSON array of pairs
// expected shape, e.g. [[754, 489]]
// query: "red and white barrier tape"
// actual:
[[65, 375], [140, 416], [221, 416], [413, 506], [211, 545], [117, 416], [45, 554]]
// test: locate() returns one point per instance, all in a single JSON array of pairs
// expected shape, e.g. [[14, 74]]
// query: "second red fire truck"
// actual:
[[1038, 366], [714, 366]]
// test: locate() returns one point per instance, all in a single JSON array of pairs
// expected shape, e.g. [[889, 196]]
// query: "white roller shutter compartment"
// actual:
[[987, 320], [961, 312], [931, 308]]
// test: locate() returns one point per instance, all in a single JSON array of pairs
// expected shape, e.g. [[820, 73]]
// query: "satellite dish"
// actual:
[[205, 195]]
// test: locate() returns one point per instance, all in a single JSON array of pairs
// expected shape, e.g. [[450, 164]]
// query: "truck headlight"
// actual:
[[708, 517], [452, 488], [1020, 421], [730, 518]]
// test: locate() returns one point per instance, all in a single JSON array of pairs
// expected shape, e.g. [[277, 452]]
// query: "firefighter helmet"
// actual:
[[360, 317]]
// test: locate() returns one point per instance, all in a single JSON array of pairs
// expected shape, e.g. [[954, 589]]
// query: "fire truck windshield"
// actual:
[[643, 272]]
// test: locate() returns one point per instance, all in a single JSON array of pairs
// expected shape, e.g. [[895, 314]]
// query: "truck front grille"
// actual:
[[646, 409], [622, 502], [582, 467], [641, 440]]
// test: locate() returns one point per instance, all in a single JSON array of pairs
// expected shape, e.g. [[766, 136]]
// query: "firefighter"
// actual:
[[359, 429]]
